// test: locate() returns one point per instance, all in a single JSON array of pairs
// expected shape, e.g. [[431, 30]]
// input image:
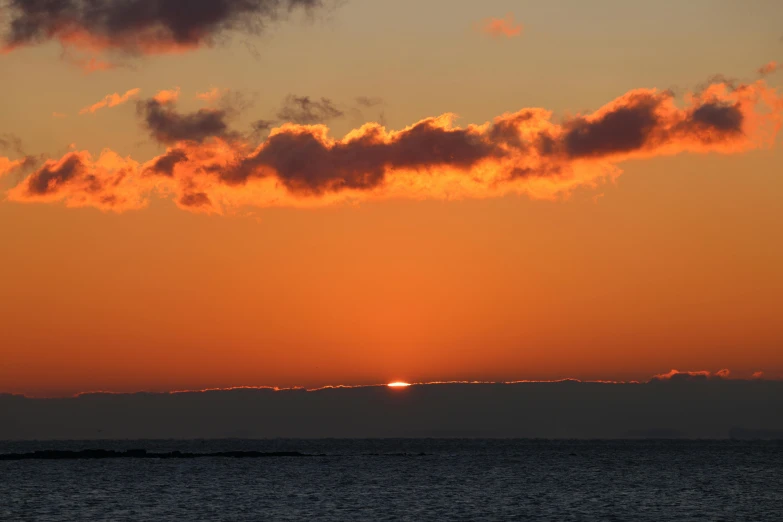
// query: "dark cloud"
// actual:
[[368, 102], [167, 125], [306, 164], [140, 26], [507, 130], [623, 129], [12, 143], [50, 176], [568, 409], [164, 165], [719, 116], [195, 199], [306, 111], [30, 162], [638, 125], [263, 125]]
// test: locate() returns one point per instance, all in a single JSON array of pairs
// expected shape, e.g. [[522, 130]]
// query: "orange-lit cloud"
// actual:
[[7, 165], [94, 64], [110, 100], [501, 27], [109, 182], [140, 26], [209, 169], [86, 63], [677, 375], [59, 115], [768, 68], [211, 95], [167, 96]]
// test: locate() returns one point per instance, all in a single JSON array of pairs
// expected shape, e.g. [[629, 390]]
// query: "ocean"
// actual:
[[398, 479]]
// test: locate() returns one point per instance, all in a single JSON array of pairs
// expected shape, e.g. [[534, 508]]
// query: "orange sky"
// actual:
[[613, 227]]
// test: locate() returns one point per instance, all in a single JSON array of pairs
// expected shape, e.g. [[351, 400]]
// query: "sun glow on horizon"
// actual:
[[398, 384]]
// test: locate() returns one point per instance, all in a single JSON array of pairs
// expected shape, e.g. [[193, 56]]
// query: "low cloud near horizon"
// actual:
[[708, 408], [672, 376]]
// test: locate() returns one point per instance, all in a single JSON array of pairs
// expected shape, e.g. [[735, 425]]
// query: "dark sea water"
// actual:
[[392, 480]]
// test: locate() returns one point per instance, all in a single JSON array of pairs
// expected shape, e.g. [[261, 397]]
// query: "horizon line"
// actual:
[[673, 375]]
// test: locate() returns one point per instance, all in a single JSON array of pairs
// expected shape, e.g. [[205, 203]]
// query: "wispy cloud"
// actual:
[[501, 27], [210, 96], [110, 100], [87, 64], [307, 111], [768, 68], [368, 101], [24, 161], [11, 142]]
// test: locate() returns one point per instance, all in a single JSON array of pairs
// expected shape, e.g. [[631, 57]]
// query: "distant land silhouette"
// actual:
[[671, 408]]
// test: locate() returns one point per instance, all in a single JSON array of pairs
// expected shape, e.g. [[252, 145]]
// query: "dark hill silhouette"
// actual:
[[569, 409]]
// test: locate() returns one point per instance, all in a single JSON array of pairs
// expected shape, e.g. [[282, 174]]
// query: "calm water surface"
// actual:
[[390, 480]]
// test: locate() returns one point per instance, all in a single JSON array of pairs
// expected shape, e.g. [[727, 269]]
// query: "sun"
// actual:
[[398, 384]]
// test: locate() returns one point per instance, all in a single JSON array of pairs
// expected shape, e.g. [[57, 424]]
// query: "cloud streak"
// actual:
[[110, 100], [210, 96], [306, 111], [768, 68], [208, 168], [140, 27], [501, 27], [700, 375]]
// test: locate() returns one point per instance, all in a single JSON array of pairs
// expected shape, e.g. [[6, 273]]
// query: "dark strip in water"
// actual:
[[143, 454]]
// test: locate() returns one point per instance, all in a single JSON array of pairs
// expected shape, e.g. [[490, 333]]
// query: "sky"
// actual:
[[289, 193]]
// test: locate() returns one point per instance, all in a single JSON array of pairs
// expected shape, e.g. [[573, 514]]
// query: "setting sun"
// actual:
[[398, 385]]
